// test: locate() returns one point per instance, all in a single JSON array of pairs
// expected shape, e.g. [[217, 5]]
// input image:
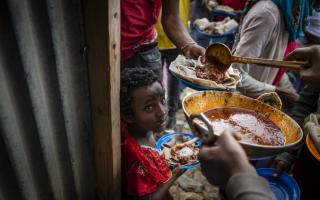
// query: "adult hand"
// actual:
[[193, 51], [283, 162], [287, 96], [309, 74], [225, 159], [280, 166]]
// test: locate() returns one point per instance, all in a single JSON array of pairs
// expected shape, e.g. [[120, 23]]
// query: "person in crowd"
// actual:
[[312, 37], [139, 36], [226, 165], [312, 31], [169, 52], [300, 162], [264, 32], [236, 5], [145, 173]]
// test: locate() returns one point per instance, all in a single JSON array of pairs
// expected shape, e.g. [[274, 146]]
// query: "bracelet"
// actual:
[[187, 44]]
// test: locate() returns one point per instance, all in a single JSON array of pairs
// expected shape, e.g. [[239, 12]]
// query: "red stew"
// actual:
[[210, 72], [253, 126]]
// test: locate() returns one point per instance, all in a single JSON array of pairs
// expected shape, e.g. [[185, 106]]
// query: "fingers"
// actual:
[[207, 153], [280, 166], [226, 141], [200, 51], [237, 136], [178, 170], [229, 138], [203, 59], [299, 54]]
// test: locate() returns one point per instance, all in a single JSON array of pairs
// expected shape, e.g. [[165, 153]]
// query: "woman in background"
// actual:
[[265, 30]]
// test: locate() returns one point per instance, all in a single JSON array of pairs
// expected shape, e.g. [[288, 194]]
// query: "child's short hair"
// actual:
[[131, 79]]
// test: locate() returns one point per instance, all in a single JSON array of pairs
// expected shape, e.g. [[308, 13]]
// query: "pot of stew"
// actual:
[[264, 130]]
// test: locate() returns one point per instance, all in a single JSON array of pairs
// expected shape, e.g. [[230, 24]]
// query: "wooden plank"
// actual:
[[102, 24]]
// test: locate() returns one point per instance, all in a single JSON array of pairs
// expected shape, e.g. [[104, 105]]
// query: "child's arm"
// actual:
[[162, 190]]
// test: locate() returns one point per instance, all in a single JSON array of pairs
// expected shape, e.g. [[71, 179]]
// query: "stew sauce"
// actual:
[[253, 126]]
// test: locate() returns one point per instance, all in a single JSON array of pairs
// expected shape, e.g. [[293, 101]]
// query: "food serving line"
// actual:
[[266, 130]]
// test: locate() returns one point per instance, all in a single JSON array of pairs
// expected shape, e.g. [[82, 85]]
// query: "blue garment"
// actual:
[[295, 13]]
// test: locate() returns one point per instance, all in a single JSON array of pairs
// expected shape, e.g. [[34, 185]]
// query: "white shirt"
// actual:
[[262, 35]]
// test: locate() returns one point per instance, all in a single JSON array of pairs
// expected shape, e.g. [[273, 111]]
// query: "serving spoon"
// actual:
[[220, 55]]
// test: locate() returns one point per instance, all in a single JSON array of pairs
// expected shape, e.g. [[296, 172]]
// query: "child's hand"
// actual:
[[177, 171]]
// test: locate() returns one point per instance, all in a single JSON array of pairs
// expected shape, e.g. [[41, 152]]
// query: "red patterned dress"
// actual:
[[143, 168]]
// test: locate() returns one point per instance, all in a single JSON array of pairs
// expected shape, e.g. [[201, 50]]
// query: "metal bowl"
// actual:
[[203, 101]]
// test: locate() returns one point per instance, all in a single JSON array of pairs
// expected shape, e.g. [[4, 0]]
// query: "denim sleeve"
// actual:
[[151, 59]]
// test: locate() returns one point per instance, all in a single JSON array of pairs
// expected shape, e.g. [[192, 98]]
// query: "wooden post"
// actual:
[[102, 26]]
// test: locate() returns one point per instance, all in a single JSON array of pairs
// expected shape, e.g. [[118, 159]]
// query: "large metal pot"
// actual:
[[198, 102]]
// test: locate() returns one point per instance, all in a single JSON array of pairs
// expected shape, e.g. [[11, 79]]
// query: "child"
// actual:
[[145, 173]]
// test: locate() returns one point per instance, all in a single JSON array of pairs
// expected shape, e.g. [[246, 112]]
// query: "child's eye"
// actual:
[[148, 108]]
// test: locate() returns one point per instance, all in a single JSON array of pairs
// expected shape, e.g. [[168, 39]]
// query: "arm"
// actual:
[[255, 34], [245, 186], [226, 165], [163, 189], [253, 88], [177, 32], [159, 192]]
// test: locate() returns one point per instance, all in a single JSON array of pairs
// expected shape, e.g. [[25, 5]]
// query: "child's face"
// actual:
[[150, 111]]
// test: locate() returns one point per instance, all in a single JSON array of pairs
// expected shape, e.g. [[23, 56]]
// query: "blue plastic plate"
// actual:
[[198, 87], [167, 137], [284, 187]]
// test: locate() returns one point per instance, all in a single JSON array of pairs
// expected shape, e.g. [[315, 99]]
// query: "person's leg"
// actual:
[[151, 59], [169, 56]]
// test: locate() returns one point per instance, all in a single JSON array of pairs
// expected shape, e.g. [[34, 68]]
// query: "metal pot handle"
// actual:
[[272, 99], [208, 138]]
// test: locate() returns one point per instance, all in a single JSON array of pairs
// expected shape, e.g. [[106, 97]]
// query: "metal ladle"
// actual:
[[210, 137], [220, 55]]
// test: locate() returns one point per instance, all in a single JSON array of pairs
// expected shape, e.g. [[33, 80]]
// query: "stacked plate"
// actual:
[[284, 187]]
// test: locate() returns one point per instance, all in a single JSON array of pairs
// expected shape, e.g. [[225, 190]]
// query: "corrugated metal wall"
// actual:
[[45, 142]]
